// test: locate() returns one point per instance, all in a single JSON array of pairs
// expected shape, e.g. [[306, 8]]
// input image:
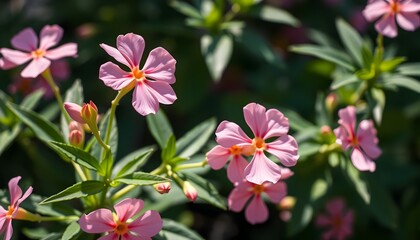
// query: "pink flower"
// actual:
[[405, 11], [364, 143], [190, 191], [88, 113], [151, 84], [26, 42], [337, 220], [218, 156], [256, 211], [16, 198], [122, 225], [265, 125]]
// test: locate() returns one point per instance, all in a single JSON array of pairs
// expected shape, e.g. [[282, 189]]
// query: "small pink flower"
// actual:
[[405, 11], [190, 191], [364, 143], [88, 113], [122, 225], [16, 198], [40, 55], [151, 83], [338, 221], [270, 134]]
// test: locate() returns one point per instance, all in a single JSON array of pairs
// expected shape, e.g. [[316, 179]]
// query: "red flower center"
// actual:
[[121, 228], [259, 143], [395, 6], [258, 189]]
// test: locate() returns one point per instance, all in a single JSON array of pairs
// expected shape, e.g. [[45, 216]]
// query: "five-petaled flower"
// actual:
[[405, 11], [121, 225], [151, 83], [13, 211], [364, 143], [265, 125], [338, 220], [41, 55]]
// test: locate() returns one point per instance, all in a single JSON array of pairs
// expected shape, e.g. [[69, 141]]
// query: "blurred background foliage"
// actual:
[[259, 70]]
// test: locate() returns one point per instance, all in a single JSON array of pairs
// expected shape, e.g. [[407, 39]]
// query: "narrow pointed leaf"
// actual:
[[32, 100], [78, 190], [360, 185], [403, 81], [97, 149], [132, 162], [195, 139], [272, 14], [159, 127], [7, 136], [411, 69], [186, 9], [217, 51], [71, 230], [351, 39], [141, 179], [174, 230], [344, 80]]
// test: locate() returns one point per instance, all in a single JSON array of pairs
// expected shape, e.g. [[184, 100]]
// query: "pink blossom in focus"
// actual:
[[151, 83], [338, 220], [16, 198], [40, 55], [404, 11], [363, 142], [270, 134], [121, 225]]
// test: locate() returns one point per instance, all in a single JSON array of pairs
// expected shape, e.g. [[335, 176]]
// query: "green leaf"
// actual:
[[195, 139], [206, 191], [344, 80], [379, 105], [78, 156], [308, 149], [72, 229], [74, 95], [355, 177], [411, 69], [186, 9], [42, 128], [328, 54], [175, 231], [32, 100], [322, 39], [168, 152], [301, 216], [272, 14], [132, 162], [159, 127], [391, 64], [296, 121], [382, 206], [351, 39], [319, 188], [97, 149], [141, 179], [78, 190], [7, 136], [52, 236], [403, 81], [217, 51], [35, 233]]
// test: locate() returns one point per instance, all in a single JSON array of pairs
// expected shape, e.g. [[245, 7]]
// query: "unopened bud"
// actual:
[[89, 114], [331, 101], [287, 203], [326, 130], [189, 191], [162, 188], [76, 134]]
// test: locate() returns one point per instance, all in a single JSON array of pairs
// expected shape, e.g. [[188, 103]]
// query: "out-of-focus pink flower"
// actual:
[[151, 83], [121, 225], [16, 198], [364, 143], [270, 134], [357, 20], [405, 11], [338, 220], [40, 55], [190, 191], [218, 156]]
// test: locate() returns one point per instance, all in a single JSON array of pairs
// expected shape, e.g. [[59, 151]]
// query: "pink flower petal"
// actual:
[[2, 217], [262, 169], [35, 68], [256, 119], [387, 26], [25, 40], [113, 52], [74, 111], [348, 119], [342, 137], [322, 220], [335, 206], [367, 139], [236, 169], [257, 211], [160, 66], [239, 196], [361, 161], [131, 46], [98, 221], [113, 76], [25, 196], [286, 173], [276, 192], [111, 236], [217, 157], [65, 50], [278, 124], [144, 101], [6, 64], [14, 190], [8, 229], [50, 36], [375, 10], [410, 7], [285, 148], [229, 134], [161, 91], [15, 57], [147, 225], [127, 208], [408, 21]]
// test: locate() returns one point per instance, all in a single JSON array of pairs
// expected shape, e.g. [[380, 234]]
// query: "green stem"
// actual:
[[79, 171], [191, 165], [114, 105], [235, 9], [59, 218], [48, 77]]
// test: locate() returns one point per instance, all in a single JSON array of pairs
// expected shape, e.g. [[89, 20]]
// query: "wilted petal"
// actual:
[[387, 26], [127, 208], [408, 21], [15, 57], [131, 47], [25, 40], [161, 91], [257, 211], [98, 221], [217, 157], [65, 50], [262, 169], [229, 134], [361, 161], [113, 52], [236, 169], [239, 196], [375, 10], [160, 65], [147, 225], [50, 36], [278, 124], [144, 101], [113, 76], [367, 139], [35, 67], [255, 117], [276, 192], [285, 148], [74, 111]]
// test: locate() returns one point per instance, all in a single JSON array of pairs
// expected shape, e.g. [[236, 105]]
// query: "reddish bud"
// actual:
[[190, 191], [162, 188]]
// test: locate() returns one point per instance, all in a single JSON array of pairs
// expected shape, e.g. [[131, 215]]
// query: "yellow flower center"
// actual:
[[235, 150], [10, 211], [137, 74], [121, 228], [395, 6], [259, 143], [39, 53], [258, 189]]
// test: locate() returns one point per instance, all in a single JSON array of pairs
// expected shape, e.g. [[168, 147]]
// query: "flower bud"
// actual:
[[326, 130], [162, 188], [189, 191], [331, 101], [89, 113]]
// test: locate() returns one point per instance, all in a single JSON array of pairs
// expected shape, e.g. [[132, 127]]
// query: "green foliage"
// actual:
[[159, 127], [173, 230], [78, 190], [141, 179]]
